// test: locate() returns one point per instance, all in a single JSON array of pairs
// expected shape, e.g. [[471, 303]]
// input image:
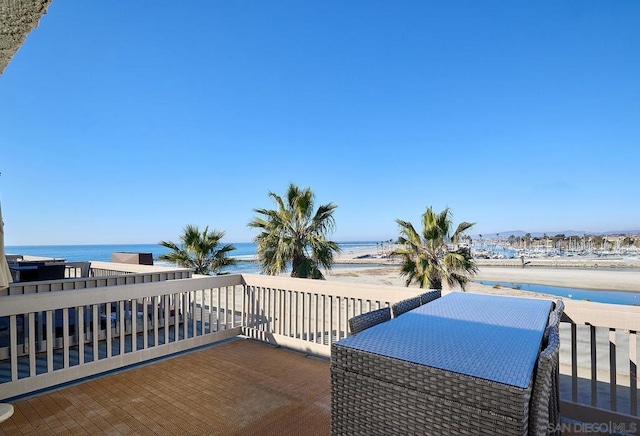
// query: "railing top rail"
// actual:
[[333, 288], [17, 304], [44, 283], [616, 316]]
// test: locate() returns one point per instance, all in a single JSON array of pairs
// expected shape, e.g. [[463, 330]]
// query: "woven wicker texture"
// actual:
[[405, 305], [559, 308], [362, 322], [367, 406], [544, 392], [430, 296], [491, 337], [384, 380], [468, 391], [554, 401]]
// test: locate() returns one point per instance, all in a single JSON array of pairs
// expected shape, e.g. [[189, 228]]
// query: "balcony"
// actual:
[[96, 332]]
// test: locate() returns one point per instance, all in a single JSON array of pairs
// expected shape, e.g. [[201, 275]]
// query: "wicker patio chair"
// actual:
[[554, 403], [559, 309], [554, 400], [429, 296], [542, 418], [369, 319], [552, 324], [405, 305]]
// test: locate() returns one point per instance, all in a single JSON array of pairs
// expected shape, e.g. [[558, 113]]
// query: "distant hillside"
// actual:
[[517, 233]]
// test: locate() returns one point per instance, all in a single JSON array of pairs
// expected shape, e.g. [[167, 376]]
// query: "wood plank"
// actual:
[[195, 393]]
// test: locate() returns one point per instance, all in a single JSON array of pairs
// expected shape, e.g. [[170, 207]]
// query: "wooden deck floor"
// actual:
[[236, 388]]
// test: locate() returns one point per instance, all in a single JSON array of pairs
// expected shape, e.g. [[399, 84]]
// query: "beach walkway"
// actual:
[[236, 388]]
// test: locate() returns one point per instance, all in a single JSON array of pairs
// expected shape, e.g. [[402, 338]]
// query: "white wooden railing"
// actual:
[[309, 315], [599, 362], [92, 332], [599, 342]]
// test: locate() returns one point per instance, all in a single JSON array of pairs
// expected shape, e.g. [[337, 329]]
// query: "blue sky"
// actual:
[[124, 121]]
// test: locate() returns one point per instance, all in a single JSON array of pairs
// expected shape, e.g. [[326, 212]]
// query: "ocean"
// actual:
[[245, 252]]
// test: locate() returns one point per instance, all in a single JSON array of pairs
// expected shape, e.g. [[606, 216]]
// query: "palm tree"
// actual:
[[199, 250], [293, 234], [435, 255]]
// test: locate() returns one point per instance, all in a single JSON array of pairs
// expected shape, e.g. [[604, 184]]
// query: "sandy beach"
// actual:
[[584, 273]]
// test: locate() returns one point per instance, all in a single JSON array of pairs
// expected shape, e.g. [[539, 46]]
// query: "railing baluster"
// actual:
[[107, 327], [167, 315], [39, 323], [250, 323], [330, 319], [277, 310], [226, 307], [273, 302], [50, 332], [81, 334], [211, 310], [325, 318], [270, 311], [95, 327], [298, 333], [184, 300], [633, 372], [155, 317], [194, 316], [612, 370], [145, 323], [177, 317], [310, 317], [13, 340], [65, 338], [218, 311], [337, 317], [123, 327], [289, 310], [262, 300], [233, 308], [134, 325], [574, 363], [243, 315], [203, 312], [257, 308], [303, 312], [316, 331], [594, 368]]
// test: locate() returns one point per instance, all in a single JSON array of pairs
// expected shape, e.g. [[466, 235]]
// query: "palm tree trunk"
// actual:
[[295, 265], [435, 283]]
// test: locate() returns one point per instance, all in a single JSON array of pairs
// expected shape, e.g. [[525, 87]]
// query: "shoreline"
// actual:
[[583, 273]]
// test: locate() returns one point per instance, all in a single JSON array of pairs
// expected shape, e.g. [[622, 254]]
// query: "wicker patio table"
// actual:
[[462, 364]]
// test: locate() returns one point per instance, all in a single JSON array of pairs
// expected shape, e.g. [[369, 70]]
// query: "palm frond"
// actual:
[[293, 234], [428, 258]]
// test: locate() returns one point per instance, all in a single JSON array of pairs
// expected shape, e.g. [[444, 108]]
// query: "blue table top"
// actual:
[[487, 336]]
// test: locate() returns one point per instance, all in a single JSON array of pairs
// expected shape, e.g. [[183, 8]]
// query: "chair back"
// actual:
[[542, 419], [429, 296], [364, 321], [405, 305], [559, 309]]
